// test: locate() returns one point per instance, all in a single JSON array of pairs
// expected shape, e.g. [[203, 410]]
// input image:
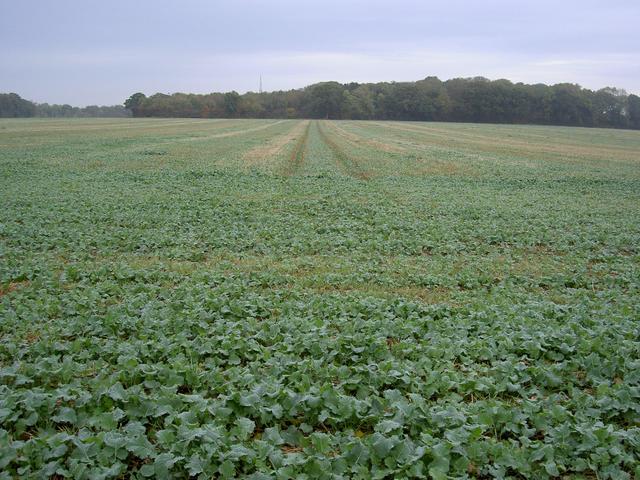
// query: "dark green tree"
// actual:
[[12, 105], [231, 103], [134, 103], [325, 100], [633, 111], [461, 99]]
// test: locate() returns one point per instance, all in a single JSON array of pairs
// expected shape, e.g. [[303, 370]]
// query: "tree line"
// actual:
[[14, 106], [459, 100]]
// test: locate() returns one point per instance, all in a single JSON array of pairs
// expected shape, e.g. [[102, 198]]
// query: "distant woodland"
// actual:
[[13, 106], [458, 100]]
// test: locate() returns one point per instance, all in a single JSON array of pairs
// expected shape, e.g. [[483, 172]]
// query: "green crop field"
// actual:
[[318, 299]]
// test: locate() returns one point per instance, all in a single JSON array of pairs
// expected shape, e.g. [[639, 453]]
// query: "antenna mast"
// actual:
[[260, 83]]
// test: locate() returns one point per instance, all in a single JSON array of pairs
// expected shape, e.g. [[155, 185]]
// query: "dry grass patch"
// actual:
[[12, 287], [438, 167], [362, 141], [296, 157], [231, 134], [521, 148], [274, 146]]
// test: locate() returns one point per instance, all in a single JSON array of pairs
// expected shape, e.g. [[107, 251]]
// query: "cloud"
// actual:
[[92, 52]]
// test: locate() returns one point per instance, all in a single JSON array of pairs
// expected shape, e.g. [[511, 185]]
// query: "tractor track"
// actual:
[[350, 165], [296, 158]]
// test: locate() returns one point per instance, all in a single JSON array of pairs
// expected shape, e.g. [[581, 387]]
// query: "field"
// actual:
[[318, 299]]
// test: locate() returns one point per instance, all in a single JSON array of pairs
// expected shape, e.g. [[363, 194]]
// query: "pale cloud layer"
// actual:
[[87, 52]]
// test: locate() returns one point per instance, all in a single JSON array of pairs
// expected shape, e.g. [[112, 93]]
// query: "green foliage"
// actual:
[[231, 100], [12, 105], [134, 102], [634, 111], [425, 301], [325, 100], [459, 100]]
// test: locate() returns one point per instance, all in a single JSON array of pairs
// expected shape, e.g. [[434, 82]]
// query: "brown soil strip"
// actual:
[[275, 145], [429, 166], [498, 144], [72, 127], [347, 163], [230, 134], [12, 287], [359, 140], [296, 158], [437, 167]]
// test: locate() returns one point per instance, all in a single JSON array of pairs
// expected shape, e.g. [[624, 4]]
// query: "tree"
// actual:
[[231, 101], [358, 103], [12, 105], [461, 99], [250, 105], [570, 106], [436, 101], [633, 111], [325, 100], [609, 107], [134, 103]]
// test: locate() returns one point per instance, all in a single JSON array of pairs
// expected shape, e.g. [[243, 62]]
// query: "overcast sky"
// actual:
[[100, 51]]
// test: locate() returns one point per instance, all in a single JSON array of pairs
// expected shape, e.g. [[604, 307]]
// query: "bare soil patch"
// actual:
[[359, 140], [275, 145]]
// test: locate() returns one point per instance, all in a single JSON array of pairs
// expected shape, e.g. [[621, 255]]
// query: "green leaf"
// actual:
[[117, 392], [7, 455], [227, 469], [387, 426], [321, 442], [439, 466], [4, 413], [272, 435], [382, 445], [551, 468], [140, 446], [114, 439], [148, 471], [244, 427], [65, 415], [196, 465]]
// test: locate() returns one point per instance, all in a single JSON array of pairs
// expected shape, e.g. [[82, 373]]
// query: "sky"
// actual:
[[84, 52]]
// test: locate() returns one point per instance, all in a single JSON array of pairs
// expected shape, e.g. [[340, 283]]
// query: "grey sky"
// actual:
[[89, 51]]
